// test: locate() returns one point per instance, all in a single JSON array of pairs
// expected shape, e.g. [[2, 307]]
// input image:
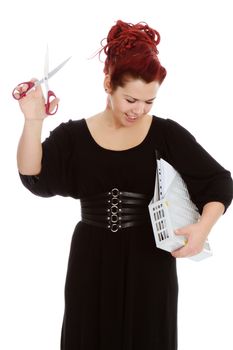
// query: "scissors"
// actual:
[[18, 94]]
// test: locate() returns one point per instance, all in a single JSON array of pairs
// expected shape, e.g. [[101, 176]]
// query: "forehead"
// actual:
[[139, 89]]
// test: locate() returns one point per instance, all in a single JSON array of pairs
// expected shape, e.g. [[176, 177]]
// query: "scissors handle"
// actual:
[[50, 97], [18, 94]]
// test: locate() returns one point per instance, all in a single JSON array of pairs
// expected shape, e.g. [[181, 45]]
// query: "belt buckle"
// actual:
[[114, 220]]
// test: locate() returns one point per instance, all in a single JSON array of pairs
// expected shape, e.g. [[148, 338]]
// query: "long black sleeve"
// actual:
[[206, 179], [56, 155]]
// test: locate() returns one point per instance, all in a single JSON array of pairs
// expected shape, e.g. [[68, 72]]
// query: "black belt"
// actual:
[[115, 209]]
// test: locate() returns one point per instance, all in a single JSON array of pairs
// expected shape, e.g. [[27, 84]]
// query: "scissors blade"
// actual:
[[55, 70], [50, 74], [46, 63], [46, 69]]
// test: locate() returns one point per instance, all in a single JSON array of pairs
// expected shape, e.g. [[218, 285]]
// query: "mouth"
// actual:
[[130, 118]]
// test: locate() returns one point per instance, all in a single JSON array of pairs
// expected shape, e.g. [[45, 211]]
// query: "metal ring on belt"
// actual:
[[115, 209]]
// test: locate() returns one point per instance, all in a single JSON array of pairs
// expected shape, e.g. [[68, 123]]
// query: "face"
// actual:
[[129, 104]]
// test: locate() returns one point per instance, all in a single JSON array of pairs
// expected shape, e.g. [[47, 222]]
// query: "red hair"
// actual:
[[132, 53]]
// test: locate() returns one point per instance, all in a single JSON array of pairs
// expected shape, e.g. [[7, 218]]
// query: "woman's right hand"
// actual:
[[33, 104]]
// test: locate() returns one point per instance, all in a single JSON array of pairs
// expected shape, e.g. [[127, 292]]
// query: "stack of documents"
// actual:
[[172, 208]]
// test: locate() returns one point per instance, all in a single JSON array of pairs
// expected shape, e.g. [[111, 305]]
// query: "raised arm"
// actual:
[[29, 152]]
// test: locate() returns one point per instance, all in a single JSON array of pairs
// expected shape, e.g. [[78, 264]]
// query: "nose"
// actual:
[[138, 108]]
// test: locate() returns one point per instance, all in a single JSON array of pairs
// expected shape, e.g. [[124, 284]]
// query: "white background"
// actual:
[[196, 49]]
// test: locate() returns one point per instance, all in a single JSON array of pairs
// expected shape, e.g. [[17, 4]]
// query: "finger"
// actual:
[[33, 80], [185, 230], [181, 252], [23, 88], [53, 104], [186, 251], [37, 88], [19, 90]]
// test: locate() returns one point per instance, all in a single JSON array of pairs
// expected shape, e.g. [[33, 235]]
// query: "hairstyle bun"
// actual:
[[131, 50], [123, 36]]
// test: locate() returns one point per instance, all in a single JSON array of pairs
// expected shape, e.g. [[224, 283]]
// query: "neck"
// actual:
[[110, 120]]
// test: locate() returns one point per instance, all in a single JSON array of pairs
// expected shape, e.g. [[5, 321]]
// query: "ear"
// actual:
[[107, 83]]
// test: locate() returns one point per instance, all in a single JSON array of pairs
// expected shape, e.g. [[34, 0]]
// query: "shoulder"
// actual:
[[64, 133], [71, 124], [70, 127], [172, 129], [167, 123]]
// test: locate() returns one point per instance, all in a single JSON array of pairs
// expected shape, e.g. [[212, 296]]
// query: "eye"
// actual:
[[149, 103]]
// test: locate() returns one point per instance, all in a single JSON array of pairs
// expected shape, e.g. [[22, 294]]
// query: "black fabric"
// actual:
[[57, 151], [121, 291], [206, 179]]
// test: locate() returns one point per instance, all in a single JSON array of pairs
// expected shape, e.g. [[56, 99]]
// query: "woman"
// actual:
[[121, 291]]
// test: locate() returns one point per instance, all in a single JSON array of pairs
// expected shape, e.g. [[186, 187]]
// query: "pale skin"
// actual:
[[111, 130]]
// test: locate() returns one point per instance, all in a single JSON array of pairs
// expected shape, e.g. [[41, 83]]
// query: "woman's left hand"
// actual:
[[196, 235]]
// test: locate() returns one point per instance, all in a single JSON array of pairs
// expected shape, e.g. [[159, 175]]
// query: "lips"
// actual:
[[131, 117]]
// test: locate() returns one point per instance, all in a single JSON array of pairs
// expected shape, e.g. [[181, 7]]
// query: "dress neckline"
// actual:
[[123, 150]]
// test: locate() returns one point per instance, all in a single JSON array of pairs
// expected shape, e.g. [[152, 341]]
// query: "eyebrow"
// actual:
[[138, 99]]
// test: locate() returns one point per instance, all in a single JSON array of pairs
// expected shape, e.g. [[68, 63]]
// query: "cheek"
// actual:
[[148, 107], [121, 106]]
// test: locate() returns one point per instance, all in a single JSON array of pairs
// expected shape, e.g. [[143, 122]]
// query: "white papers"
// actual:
[[172, 208]]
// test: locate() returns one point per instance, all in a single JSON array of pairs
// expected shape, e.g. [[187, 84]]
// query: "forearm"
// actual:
[[29, 152], [212, 211]]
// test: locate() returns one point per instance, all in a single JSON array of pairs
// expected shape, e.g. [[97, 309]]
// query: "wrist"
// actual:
[[212, 211], [33, 120], [33, 125], [34, 115], [205, 227]]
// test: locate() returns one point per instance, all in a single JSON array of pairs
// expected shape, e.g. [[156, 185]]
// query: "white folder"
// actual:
[[172, 208]]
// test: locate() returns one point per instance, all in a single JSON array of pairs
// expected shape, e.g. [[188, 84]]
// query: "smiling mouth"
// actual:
[[130, 117]]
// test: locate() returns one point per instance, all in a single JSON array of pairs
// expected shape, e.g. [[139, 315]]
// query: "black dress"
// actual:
[[121, 291]]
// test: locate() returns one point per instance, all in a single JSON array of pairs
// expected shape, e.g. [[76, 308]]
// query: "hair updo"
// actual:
[[132, 53]]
